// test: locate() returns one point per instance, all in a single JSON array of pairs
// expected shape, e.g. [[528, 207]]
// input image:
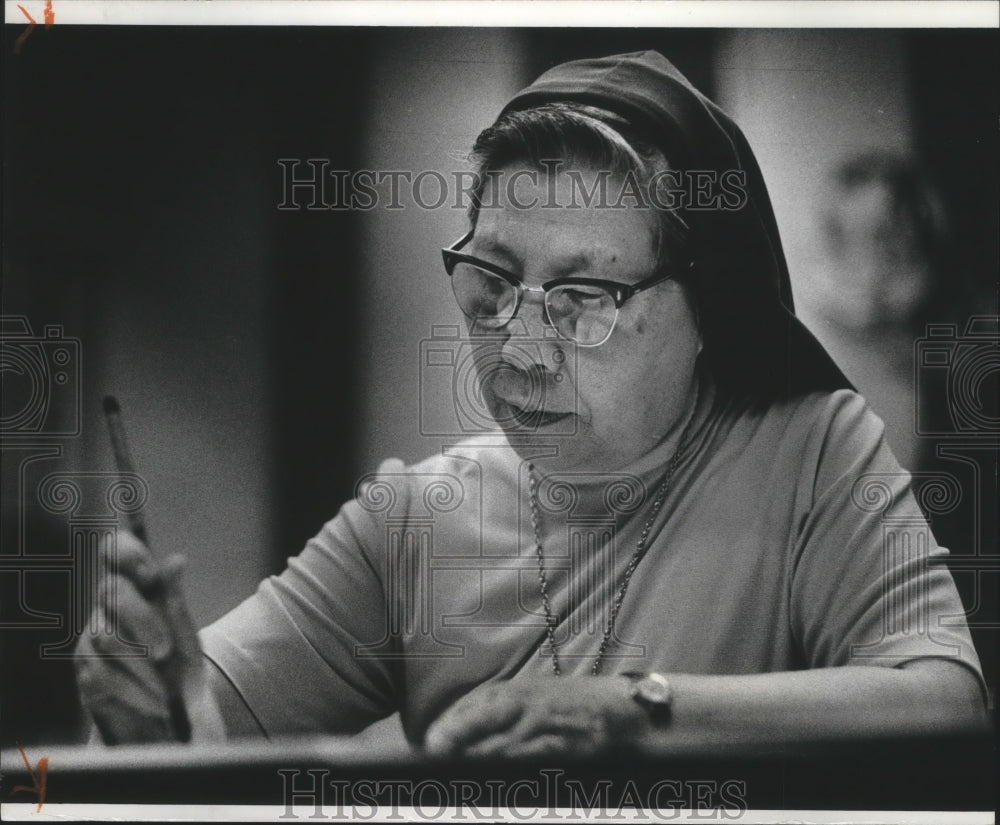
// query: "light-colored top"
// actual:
[[789, 539]]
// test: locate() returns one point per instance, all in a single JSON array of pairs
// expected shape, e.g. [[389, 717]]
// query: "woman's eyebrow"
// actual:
[[499, 253], [571, 264], [557, 266]]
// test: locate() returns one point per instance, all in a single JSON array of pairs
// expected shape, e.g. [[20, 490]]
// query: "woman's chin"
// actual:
[[555, 455]]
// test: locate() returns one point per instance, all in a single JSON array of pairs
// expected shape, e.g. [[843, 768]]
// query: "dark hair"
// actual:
[[579, 136]]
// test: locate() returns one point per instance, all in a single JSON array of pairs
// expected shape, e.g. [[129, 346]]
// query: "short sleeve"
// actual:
[[291, 649], [870, 585]]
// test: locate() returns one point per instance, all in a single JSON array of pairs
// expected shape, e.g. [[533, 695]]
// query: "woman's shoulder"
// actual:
[[809, 415], [841, 418], [838, 436], [815, 435]]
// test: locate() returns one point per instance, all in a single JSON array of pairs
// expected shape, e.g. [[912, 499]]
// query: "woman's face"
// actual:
[[598, 408]]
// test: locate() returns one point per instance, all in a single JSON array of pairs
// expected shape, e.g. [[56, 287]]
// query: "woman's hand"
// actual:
[[162, 695], [529, 717]]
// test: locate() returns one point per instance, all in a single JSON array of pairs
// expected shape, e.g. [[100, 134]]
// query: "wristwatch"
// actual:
[[652, 691]]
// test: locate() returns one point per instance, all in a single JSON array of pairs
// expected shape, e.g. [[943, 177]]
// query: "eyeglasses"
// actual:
[[581, 310]]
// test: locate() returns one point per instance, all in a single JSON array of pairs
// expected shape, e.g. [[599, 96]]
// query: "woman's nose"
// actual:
[[530, 340], [534, 318]]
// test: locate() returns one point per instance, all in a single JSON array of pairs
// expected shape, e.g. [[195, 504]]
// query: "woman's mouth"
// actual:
[[529, 418], [520, 403]]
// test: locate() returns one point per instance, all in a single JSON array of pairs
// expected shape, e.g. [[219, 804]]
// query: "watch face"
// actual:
[[654, 690]]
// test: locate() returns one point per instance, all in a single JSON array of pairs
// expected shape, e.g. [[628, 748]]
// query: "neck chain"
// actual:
[[640, 551]]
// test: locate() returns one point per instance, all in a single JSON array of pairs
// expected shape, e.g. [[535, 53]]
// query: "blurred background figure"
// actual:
[[882, 237]]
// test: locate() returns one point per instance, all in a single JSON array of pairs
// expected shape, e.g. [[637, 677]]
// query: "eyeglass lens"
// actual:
[[579, 313]]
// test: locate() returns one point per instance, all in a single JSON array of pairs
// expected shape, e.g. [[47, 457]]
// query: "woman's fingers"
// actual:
[[139, 657], [535, 733], [508, 746], [133, 560], [126, 618], [187, 677], [185, 634], [533, 717], [119, 686], [486, 711]]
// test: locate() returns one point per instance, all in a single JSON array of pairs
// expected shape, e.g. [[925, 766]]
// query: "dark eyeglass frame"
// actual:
[[619, 292]]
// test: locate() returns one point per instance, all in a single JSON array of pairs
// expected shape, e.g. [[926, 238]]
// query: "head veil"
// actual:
[[753, 342]]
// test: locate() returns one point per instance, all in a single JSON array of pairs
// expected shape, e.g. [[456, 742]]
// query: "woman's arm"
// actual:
[[922, 697], [578, 715], [237, 718]]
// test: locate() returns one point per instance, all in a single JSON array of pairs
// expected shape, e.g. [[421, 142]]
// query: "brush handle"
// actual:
[[180, 723]]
